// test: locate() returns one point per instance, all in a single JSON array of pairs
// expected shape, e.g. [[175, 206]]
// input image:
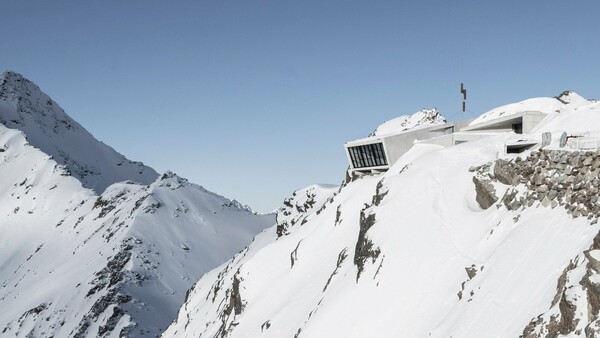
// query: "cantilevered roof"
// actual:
[[503, 120]]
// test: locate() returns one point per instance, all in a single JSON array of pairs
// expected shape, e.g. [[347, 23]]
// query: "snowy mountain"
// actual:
[[565, 102], [450, 242], [77, 264], [421, 119], [25, 107]]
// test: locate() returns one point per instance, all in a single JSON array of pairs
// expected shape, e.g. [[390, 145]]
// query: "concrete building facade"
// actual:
[[379, 153]]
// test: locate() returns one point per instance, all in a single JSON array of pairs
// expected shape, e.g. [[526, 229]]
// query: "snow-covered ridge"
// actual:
[[25, 107], [421, 119], [566, 101]]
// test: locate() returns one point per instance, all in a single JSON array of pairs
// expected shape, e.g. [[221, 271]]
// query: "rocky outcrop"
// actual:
[[505, 173], [576, 306], [569, 179], [303, 203], [365, 250], [234, 307], [485, 193]]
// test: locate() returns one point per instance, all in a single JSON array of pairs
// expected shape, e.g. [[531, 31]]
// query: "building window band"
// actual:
[[368, 155]]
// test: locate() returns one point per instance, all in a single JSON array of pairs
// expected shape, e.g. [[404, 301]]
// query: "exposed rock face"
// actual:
[[576, 306], [234, 307], [365, 250], [298, 208], [549, 177], [505, 173], [486, 194], [364, 246]]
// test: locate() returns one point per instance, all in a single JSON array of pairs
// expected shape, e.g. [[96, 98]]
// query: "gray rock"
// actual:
[[538, 179], [509, 200], [564, 159], [506, 173], [567, 170], [554, 157], [546, 202], [486, 194]]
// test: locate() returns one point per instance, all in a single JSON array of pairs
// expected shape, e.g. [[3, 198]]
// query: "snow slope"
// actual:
[[25, 107], [77, 264], [565, 102], [413, 253]]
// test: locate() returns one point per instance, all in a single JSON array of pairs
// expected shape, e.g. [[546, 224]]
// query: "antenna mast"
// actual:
[[463, 91]]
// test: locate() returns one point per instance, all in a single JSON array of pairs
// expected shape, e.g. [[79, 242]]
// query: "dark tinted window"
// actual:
[[518, 128], [368, 155]]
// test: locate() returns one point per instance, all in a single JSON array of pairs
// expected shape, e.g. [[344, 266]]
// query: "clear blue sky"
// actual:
[[254, 99]]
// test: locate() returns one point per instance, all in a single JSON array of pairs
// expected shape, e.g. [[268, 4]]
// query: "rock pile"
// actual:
[[552, 178]]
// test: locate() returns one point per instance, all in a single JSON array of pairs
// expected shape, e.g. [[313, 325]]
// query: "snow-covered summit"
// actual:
[[77, 264], [81, 263], [25, 107], [566, 101], [421, 119]]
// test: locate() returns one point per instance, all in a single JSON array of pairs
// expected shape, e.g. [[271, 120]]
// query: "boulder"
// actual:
[[486, 194], [542, 189], [506, 173], [509, 200]]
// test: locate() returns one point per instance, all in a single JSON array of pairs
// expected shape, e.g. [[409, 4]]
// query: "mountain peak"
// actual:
[[421, 119], [8, 74], [25, 107], [14, 83], [569, 97]]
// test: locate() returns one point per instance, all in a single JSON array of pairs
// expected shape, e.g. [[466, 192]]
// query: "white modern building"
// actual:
[[378, 153]]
